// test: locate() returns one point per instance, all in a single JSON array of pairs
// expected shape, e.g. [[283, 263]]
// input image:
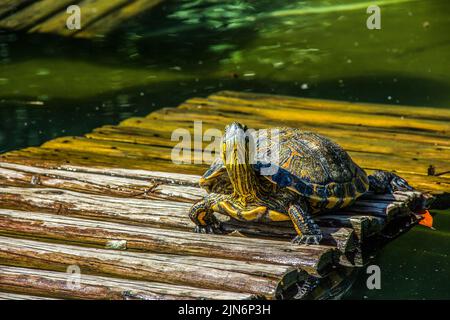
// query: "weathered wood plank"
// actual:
[[312, 117], [258, 99], [158, 186], [160, 213], [348, 139], [76, 178], [150, 153], [57, 157], [153, 186], [211, 273], [59, 285], [29, 16], [311, 258], [91, 10], [8, 6], [370, 160]]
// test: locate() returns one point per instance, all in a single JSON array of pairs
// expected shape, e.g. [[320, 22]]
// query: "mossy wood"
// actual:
[[113, 203], [99, 17]]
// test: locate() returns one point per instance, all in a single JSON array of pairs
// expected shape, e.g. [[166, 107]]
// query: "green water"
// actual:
[[50, 86]]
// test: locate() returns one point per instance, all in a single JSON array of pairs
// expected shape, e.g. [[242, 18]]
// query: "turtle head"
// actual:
[[235, 144], [236, 155]]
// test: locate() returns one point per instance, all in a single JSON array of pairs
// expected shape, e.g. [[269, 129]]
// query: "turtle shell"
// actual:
[[310, 165]]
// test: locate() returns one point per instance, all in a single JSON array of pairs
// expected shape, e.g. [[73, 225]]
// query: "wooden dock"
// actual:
[[114, 205], [98, 17]]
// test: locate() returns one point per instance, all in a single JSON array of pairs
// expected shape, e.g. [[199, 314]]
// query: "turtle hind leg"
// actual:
[[387, 182], [308, 231], [202, 215]]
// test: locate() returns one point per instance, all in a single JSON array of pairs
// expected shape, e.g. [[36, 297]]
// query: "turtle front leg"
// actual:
[[387, 182], [202, 215], [308, 231]]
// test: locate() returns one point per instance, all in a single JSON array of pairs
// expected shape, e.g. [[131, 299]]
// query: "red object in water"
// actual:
[[427, 220]]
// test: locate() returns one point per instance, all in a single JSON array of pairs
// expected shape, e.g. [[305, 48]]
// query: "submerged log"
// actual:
[[62, 285]]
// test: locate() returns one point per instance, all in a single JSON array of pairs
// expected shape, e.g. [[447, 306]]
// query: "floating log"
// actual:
[[267, 280], [52, 284]]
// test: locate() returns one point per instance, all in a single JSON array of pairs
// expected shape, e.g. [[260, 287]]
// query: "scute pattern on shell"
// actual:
[[312, 166]]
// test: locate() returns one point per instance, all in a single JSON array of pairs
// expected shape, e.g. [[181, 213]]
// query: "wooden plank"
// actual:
[[57, 157], [91, 10], [311, 258], [169, 188], [116, 18], [157, 185], [55, 285], [258, 99], [366, 159], [37, 11], [8, 6], [161, 188], [35, 156], [150, 153], [158, 213], [210, 273], [353, 140]]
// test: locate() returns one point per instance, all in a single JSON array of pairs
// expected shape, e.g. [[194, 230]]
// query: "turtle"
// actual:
[[311, 175]]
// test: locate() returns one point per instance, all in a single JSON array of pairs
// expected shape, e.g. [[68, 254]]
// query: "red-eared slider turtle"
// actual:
[[311, 175]]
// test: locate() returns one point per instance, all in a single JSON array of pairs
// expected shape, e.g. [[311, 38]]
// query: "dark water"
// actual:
[[50, 86]]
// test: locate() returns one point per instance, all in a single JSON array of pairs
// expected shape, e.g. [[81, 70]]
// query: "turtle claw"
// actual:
[[209, 229], [308, 239]]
